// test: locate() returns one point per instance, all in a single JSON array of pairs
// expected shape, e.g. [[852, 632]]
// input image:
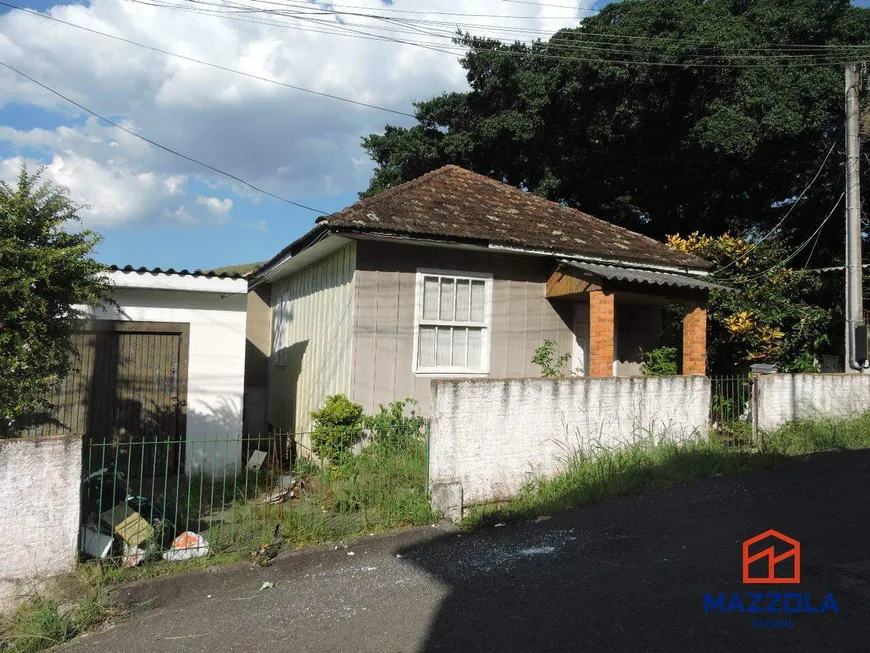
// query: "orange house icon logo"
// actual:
[[781, 568]]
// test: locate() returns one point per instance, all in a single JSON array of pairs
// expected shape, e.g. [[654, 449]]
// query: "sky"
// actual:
[[157, 209]]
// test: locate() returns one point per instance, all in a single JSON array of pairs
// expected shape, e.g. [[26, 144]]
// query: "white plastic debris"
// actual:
[[94, 543], [499, 525], [186, 546], [350, 553]]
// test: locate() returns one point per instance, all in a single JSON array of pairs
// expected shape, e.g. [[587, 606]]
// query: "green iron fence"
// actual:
[[147, 501], [731, 412]]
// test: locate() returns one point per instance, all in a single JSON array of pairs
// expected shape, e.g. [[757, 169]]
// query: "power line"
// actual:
[[605, 153], [162, 147], [783, 219], [799, 248], [541, 4], [330, 10], [809, 60], [210, 64]]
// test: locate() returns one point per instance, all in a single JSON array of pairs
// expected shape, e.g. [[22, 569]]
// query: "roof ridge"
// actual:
[[369, 202]]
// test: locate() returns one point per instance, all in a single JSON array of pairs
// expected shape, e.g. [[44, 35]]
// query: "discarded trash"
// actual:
[[94, 543], [499, 525], [278, 497], [267, 552], [267, 585], [129, 525], [133, 556], [287, 481], [186, 546], [256, 460], [350, 553]]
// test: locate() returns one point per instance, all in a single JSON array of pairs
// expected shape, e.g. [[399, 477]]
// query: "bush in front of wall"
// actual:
[[661, 361], [338, 427], [546, 358], [390, 426]]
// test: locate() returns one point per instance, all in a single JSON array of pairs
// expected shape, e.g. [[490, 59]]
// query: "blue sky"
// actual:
[[154, 209]]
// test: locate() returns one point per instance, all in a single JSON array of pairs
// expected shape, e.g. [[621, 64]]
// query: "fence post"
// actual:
[[428, 439], [753, 393]]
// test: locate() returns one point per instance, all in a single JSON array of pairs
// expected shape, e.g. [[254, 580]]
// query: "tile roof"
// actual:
[[182, 273], [650, 277], [457, 204]]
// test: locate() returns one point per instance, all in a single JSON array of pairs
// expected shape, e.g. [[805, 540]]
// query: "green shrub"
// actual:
[[550, 364], [661, 361], [338, 427], [390, 426]]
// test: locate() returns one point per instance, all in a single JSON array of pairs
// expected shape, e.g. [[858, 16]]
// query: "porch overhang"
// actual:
[[573, 278]]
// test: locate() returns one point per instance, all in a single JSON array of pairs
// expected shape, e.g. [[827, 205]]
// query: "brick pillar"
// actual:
[[694, 339], [601, 333]]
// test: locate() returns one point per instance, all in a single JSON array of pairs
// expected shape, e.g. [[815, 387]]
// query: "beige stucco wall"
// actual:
[[319, 342], [258, 343], [522, 318], [638, 329]]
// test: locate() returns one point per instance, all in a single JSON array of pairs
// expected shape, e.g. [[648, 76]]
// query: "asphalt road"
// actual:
[[621, 575]]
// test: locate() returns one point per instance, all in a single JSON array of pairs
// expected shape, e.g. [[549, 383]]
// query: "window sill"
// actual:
[[448, 374]]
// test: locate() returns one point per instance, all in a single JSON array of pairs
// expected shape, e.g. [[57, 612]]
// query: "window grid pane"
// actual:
[[430, 298], [463, 300], [443, 346], [478, 291], [447, 299], [426, 347]]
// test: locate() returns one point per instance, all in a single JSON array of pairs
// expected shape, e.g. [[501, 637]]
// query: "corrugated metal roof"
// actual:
[[650, 277], [181, 273]]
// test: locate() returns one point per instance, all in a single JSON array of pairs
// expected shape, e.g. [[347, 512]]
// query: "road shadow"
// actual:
[[631, 574]]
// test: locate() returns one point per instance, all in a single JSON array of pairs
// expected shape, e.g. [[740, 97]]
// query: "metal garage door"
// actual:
[[128, 391]]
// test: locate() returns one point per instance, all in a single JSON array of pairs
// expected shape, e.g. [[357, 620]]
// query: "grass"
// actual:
[[38, 624], [594, 474]]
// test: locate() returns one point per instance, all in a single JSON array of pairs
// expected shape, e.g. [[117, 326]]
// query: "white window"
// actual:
[[280, 325], [452, 323]]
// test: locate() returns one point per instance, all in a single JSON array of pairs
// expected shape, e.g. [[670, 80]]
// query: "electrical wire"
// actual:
[[162, 147], [819, 57], [784, 218], [604, 153], [212, 65], [798, 250], [541, 4]]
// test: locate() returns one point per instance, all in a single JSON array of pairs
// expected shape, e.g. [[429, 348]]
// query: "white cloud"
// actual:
[[292, 143]]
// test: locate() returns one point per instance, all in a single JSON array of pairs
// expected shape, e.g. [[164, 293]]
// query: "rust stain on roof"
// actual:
[[472, 207]]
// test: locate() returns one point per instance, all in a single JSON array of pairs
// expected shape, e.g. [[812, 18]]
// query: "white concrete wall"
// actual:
[[216, 369], [490, 435], [787, 397], [39, 513]]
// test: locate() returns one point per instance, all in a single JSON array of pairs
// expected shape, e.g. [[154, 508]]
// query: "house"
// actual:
[[455, 274], [165, 364]]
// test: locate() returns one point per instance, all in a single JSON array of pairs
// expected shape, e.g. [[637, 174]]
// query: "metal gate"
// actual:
[[128, 387]]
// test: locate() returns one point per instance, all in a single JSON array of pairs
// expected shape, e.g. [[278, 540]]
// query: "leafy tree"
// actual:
[[660, 149], [46, 273], [772, 317]]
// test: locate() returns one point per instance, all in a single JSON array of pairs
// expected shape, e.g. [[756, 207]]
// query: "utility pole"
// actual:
[[854, 293]]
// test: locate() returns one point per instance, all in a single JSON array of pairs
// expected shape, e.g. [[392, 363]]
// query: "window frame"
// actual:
[[485, 326]]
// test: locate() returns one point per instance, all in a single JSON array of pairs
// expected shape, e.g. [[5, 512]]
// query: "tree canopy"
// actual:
[[46, 275], [724, 142]]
